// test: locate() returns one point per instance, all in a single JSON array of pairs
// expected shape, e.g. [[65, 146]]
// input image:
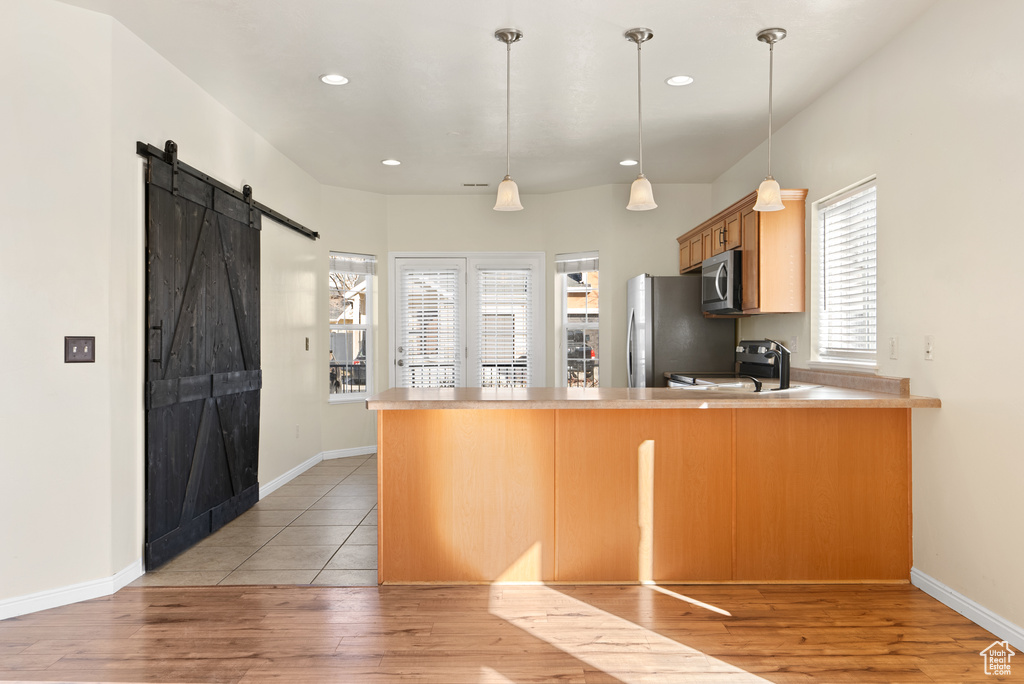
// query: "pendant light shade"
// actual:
[[769, 195], [641, 194], [508, 196], [508, 191]]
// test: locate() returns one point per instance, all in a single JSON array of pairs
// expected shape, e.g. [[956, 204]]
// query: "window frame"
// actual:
[[867, 363], [562, 290], [367, 328]]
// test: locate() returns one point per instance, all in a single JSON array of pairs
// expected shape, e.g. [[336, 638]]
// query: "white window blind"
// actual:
[[847, 302], [354, 263], [576, 262], [505, 327], [430, 310]]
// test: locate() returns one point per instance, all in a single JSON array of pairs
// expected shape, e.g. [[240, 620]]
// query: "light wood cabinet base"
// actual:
[[744, 495]]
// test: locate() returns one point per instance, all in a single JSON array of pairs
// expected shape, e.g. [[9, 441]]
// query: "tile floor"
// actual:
[[320, 528]]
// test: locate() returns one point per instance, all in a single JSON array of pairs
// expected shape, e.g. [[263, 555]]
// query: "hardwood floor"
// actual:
[[469, 634]]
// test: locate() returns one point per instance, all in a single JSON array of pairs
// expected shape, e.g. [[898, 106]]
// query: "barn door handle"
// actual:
[[156, 342]]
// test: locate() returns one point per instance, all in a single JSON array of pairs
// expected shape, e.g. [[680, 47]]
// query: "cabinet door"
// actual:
[[750, 283], [733, 231], [718, 238], [601, 522], [706, 241], [684, 257], [696, 250], [822, 494]]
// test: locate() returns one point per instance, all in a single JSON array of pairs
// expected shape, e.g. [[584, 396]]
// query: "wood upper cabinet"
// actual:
[[750, 278], [772, 244], [696, 250], [732, 235], [718, 237]]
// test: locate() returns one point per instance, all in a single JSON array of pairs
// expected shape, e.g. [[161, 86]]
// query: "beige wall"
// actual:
[[56, 276], [939, 122], [80, 90], [354, 221]]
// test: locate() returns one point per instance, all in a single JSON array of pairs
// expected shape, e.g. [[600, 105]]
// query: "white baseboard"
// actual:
[[354, 451], [281, 481], [975, 612], [53, 598]]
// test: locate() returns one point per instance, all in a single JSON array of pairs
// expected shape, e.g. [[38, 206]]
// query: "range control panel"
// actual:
[[753, 359]]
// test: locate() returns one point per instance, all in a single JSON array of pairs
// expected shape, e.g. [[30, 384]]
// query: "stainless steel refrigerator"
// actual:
[[667, 331]]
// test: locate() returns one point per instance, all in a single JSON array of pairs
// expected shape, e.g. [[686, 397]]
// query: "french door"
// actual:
[[430, 318], [468, 321]]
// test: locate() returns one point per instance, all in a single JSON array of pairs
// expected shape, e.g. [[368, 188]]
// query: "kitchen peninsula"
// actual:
[[627, 485]]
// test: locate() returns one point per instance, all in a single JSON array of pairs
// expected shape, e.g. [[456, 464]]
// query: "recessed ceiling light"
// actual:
[[390, 162], [333, 79], [679, 80], [628, 162]]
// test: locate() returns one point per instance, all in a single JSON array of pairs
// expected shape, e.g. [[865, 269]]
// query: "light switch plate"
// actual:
[[79, 350]]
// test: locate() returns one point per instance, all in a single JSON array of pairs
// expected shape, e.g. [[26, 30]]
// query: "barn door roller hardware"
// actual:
[[247, 194], [169, 155]]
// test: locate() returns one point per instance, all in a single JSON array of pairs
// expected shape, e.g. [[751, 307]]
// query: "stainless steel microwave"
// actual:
[[720, 283]]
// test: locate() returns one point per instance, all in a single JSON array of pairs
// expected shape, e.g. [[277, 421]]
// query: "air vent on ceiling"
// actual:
[[475, 185]]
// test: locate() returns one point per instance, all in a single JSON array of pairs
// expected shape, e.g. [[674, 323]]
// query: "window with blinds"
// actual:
[[504, 327], [429, 328], [847, 285], [350, 288]]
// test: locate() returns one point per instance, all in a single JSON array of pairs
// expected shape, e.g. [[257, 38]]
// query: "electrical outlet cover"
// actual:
[[79, 350]]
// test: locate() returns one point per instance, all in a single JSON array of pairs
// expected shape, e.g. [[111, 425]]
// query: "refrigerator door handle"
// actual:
[[629, 350]]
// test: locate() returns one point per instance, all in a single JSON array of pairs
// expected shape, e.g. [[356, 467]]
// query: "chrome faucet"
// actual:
[[782, 354]]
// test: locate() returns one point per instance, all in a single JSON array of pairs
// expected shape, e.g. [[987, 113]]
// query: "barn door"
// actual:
[[203, 359]]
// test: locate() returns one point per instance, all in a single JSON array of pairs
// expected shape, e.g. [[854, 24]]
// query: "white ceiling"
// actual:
[[427, 81]]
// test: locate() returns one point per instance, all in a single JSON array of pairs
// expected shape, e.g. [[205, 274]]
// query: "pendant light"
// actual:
[[641, 194], [769, 195], [508, 191]]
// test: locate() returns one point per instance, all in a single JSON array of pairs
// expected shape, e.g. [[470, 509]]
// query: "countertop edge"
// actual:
[[884, 401]]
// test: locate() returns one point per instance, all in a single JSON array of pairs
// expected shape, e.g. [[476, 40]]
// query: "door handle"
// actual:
[[718, 280], [401, 362], [156, 343], [629, 350]]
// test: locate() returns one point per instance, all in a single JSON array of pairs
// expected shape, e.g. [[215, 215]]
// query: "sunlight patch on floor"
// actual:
[[691, 601], [606, 642], [491, 676]]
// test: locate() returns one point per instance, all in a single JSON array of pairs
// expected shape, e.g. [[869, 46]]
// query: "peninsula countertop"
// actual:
[[823, 396]]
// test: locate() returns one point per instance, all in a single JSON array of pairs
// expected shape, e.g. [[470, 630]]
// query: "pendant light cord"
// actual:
[[508, 108], [771, 72], [640, 107]]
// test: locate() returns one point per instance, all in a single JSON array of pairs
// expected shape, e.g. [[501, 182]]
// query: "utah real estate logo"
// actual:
[[997, 658]]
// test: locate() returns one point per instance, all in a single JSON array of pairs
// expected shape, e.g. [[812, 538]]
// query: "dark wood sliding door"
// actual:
[[203, 359]]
